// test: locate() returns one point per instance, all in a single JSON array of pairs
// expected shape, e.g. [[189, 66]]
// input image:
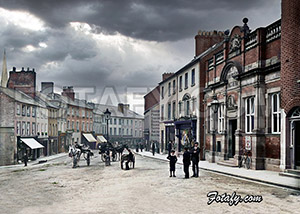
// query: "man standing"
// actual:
[[195, 159], [153, 148], [186, 162], [25, 158]]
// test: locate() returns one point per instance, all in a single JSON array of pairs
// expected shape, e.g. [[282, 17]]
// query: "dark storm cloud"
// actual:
[[154, 20]]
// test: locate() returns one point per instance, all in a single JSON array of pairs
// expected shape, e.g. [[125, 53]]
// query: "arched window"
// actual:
[[296, 113], [186, 99]]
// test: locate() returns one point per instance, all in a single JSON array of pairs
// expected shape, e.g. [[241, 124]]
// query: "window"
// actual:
[[186, 78], [72, 124], [115, 121], [110, 131], [83, 113], [174, 86], [193, 77], [33, 129], [169, 111], [33, 111], [193, 105], [162, 92], [174, 110], [91, 127], [115, 131], [18, 128], [276, 115], [28, 129], [119, 131], [23, 128], [210, 64], [120, 121], [221, 119], [18, 109], [249, 103], [72, 111], [180, 83], [162, 112], [169, 89], [77, 126], [187, 108], [179, 108], [86, 126], [23, 110], [68, 124]]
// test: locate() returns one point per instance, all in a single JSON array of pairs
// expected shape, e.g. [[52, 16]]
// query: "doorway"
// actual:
[[297, 144], [231, 138]]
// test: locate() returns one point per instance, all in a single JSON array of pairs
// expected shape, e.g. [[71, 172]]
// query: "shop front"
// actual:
[[185, 133]]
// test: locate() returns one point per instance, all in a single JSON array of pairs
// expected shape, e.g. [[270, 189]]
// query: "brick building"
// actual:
[[290, 85]]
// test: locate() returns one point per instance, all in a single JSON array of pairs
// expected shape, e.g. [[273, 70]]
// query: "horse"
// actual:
[[120, 149], [75, 154], [125, 157]]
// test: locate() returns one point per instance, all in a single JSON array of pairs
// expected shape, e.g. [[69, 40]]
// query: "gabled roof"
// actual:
[[21, 97]]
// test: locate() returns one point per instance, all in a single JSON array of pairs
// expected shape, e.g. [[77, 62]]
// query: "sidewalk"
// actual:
[[36, 162], [264, 176]]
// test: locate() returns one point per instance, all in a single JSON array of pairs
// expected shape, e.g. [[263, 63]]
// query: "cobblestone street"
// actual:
[[57, 188]]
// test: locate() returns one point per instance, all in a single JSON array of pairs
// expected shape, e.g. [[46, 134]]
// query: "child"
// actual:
[[173, 160]]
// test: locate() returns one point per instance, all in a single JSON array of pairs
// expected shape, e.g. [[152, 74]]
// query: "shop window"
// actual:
[[249, 107], [276, 115]]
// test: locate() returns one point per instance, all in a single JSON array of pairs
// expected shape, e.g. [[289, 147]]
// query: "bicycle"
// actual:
[[245, 160]]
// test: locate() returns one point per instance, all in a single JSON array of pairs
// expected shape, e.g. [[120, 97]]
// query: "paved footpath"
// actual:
[[263, 176]]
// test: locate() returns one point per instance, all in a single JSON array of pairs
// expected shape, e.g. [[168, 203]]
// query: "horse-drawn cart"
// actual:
[[75, 152]]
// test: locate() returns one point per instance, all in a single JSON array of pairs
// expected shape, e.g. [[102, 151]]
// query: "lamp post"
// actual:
[[107, 115], [214, 106]]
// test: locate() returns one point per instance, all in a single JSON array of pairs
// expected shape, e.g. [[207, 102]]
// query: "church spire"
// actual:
[[4, 76]]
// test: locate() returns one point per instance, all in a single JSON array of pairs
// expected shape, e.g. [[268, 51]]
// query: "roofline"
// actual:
[[194, 61]]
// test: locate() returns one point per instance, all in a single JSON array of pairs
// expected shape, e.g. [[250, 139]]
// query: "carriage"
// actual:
[[75, 152], [113, 152]]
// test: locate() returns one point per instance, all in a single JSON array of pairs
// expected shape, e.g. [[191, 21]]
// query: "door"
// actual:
[[231, 138], [297, 145]]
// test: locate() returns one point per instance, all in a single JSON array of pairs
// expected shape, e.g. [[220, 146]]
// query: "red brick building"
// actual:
[[253, 78], [242, 75]]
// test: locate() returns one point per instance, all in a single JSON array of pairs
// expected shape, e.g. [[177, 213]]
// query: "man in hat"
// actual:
[[195, 151], [186, 162]]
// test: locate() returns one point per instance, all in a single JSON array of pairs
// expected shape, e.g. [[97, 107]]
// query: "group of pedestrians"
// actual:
[[188, 156]]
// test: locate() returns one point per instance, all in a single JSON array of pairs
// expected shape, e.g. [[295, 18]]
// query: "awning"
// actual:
[[32, 143], [101, 139], [90, 138]]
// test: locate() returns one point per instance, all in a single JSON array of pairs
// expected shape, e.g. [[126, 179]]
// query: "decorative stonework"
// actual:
[[231, 104], [235, 43]]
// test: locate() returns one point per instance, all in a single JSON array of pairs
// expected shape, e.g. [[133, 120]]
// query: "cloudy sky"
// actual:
[[115, 50]]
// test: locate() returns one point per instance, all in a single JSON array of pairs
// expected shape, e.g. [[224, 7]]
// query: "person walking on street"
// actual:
[[153, 148], [141, 147], [186, 162], [25, 158], [137, 147], [173, 160], [195, 159]]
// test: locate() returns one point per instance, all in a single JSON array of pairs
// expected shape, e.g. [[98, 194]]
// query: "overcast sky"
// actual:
[[115, 46]]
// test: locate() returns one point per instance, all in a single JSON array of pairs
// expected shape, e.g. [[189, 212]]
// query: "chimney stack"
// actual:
[[68, 91]]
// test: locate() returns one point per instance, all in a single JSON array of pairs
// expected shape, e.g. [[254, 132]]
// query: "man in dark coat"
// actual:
[[195, 159], [186, 162], [153, 148], [130, 159], [173, 160], [25, 158]]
